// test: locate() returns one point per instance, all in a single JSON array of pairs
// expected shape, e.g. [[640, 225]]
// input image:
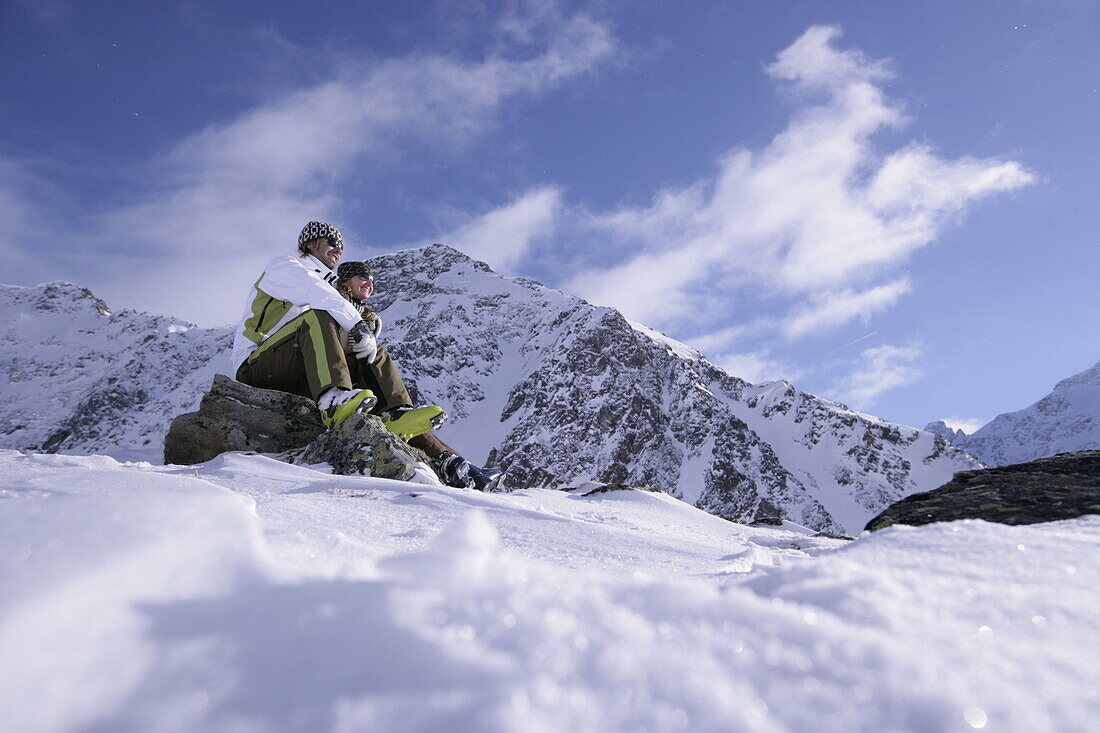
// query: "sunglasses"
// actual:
[[333, 244]]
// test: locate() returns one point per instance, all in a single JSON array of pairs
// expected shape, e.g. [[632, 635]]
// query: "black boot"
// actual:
[[456, 471]]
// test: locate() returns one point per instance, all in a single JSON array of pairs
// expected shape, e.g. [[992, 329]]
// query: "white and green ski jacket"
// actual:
[[289, 286]]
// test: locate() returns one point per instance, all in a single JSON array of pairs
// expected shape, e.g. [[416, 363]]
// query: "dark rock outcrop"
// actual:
[[1062, 487], [362, 445], [235, 417]]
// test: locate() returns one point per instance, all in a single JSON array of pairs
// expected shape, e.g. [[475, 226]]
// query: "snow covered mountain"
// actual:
[[1067, 419], [78, 378], [552, 389]]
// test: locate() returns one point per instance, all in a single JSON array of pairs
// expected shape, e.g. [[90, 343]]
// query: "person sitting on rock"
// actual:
[[377, 372], [291, 336]]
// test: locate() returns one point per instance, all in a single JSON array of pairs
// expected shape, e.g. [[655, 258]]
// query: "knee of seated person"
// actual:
[[324, 317]]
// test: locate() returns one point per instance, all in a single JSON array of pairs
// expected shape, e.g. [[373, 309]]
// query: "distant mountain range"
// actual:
[[545, 385], [1067, 419]]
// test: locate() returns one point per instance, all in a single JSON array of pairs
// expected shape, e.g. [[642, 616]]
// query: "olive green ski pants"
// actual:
[[305, 357]]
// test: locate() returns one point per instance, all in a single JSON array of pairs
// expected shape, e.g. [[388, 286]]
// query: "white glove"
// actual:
[[362, 341]]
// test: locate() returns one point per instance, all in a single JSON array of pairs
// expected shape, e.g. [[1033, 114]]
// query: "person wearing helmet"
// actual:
[[376, 371]]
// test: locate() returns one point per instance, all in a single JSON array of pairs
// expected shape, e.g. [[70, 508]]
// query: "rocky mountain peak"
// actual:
[[1088, 378], [940, 428], [429, 261], [54, 297], [1066, 420]]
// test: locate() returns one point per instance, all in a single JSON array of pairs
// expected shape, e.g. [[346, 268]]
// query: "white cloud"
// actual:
[[648, 287], [814, 216], [880, 369], [813, 63], [708, 342], [29, 233], [968, 425], [757, 366], [15, 208], [225, 198], [833, 308], [503, 236]]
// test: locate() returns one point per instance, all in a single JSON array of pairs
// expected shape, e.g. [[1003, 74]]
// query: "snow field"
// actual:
[[249, 595]]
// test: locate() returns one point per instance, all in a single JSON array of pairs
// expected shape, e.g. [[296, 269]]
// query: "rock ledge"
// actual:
[[235, 417], [1049, 489]]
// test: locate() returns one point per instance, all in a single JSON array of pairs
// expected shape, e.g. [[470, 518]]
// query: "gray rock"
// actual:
[[362, 445], [235, 417], [1062, 487], [940, 428], [767, 514], [605, 488]]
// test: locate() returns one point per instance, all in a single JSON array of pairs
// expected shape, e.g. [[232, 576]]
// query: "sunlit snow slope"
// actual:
[[251, 595]]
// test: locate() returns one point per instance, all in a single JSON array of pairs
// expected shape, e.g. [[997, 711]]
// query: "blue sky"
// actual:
[[887, 203]]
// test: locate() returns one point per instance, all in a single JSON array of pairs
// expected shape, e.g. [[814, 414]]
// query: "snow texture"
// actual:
[[249, 595]]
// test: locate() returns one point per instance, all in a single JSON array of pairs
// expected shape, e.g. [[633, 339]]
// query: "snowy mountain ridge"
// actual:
[[553, 389], [1066, 420], [81, 378]]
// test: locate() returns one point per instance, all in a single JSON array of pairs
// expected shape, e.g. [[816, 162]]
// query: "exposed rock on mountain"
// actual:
[[544, 385], [1063, 487], [561, 391], [1067, 419], [940, 428]]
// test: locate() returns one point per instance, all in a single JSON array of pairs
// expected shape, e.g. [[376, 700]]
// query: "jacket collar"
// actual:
[[320, 268]]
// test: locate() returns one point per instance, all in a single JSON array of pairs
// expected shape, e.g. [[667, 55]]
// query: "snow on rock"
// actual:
[[246, 594], [1066, 420], [557, 392], [546, 386]]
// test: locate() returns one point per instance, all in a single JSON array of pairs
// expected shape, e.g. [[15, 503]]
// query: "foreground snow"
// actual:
[[249, 595]]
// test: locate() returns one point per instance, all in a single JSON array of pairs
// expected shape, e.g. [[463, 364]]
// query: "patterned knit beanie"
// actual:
[[318, 230], [347, 270]]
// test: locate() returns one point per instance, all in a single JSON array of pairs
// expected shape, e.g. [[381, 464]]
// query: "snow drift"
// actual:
[[246, 594]]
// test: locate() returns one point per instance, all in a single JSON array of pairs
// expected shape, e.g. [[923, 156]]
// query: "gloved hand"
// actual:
[[374, 323], [362, 341]]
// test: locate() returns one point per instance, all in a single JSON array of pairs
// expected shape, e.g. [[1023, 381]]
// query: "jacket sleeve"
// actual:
[[286, 278]]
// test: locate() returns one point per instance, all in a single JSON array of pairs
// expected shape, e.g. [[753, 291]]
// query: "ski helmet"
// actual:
[[347, 270], [319, 230]]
